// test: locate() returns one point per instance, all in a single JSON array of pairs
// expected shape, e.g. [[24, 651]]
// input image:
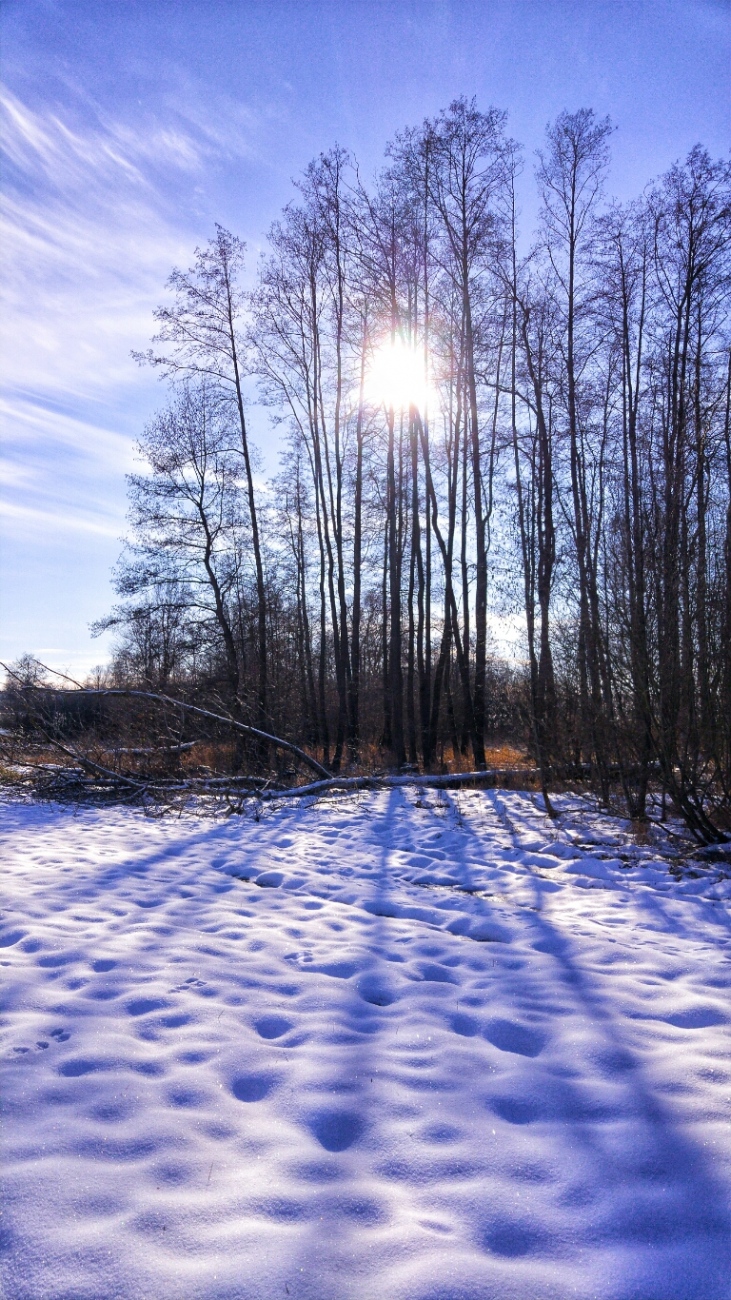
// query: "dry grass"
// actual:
[[217, 758], [502, 756]]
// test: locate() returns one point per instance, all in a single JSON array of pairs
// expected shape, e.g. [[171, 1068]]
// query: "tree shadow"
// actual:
[[667, 1215]]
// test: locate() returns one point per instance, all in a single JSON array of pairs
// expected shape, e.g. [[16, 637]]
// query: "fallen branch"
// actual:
[[90, 766], [154, 750], [121, 692]]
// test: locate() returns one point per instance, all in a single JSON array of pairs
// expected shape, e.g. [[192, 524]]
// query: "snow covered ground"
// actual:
[[407, 1045]]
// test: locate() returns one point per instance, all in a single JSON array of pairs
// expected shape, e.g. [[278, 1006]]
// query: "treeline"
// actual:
[[470, 433]]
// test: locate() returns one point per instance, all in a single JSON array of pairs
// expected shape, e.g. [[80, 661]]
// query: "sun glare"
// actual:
[[396, 378]]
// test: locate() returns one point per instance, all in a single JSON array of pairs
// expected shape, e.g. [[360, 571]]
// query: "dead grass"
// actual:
[[501, 756]]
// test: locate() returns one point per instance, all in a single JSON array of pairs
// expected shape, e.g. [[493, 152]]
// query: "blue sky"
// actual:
[[131, 128]]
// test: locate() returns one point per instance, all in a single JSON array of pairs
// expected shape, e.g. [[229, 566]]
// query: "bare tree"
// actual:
[[200, 334]]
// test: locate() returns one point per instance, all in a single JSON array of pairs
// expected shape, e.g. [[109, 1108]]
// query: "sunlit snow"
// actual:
[[402, 1046]]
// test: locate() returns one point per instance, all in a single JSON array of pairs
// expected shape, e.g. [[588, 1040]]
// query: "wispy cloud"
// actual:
[[61, 473], [87, 244], [64, 149], [39, 523], [32, 424], [94, 214]]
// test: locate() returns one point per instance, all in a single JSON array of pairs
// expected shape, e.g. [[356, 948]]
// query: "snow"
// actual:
[[402, 1045]]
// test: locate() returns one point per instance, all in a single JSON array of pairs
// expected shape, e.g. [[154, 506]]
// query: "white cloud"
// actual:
[[35, 425], [87, 245], [60, 473], [94, 215], [28, 521]]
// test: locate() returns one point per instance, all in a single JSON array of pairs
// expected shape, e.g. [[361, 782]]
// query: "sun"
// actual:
[[397, 378]]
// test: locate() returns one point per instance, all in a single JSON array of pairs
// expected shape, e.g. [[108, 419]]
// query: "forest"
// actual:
[[502, 518]]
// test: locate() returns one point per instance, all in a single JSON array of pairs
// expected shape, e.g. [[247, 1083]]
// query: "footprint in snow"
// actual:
[[41, 1045], [142, 1006], [272, 1026], [467, 1026], [253, 1087], [510, 1037], [336, 1130]]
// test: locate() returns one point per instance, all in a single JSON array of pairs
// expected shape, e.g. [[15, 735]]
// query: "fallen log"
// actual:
[[452, 780], [485, 777]]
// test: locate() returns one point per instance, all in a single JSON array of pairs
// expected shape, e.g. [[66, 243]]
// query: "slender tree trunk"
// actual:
[[355, 666], [253, 517], [395, 674]]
